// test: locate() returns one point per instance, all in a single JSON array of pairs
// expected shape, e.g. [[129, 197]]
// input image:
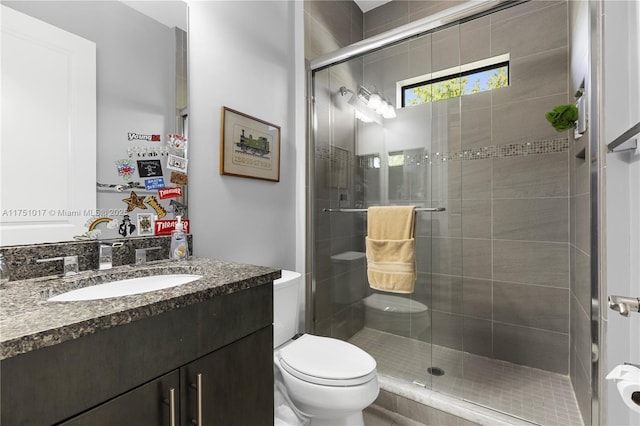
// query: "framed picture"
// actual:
[[249, 147]]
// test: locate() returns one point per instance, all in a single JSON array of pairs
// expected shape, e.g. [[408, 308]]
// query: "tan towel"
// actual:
[[391, 259]]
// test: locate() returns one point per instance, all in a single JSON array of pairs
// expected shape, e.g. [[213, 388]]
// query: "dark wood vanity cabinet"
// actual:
[[124, 375], [236, 384], [149, 404], [231, 386]]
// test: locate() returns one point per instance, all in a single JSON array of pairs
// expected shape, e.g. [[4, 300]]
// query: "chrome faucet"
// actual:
[[105, 255], [69, 264], [624, 305], [141, 254]]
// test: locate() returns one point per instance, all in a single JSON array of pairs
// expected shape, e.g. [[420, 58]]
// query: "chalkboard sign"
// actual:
[[149, 168]]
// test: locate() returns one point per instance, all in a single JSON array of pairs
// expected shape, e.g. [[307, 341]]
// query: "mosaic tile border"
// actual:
[[544, 146], [413, 157]]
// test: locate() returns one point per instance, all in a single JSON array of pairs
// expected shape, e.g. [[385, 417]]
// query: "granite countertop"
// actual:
[[28, 322]]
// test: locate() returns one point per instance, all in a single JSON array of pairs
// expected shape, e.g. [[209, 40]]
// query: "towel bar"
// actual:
[[417, 209]]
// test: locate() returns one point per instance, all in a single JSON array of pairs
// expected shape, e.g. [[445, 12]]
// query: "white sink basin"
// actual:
[[125, 287]]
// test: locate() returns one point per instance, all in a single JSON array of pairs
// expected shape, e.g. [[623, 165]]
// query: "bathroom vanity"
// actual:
[[198, 353]]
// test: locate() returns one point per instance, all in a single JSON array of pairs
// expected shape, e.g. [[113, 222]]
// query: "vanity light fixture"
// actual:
[[366, 102], [376, 102]]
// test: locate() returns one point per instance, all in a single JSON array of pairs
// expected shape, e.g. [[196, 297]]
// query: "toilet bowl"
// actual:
[[328, 381], [397, 315]]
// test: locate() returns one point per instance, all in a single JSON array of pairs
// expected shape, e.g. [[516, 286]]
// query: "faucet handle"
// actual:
[[141, 254], [69, 263]]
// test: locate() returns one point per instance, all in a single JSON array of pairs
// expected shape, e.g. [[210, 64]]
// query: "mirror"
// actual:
[[141, 119]]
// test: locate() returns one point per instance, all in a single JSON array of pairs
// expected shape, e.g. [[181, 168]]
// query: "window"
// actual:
[[468, 79]]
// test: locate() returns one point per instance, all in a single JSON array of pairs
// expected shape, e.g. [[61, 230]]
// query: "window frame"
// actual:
[[461, 71]]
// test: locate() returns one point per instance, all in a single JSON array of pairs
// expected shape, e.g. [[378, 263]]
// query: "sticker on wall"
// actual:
[[164, 227], [139, 137], [125, 169], [111, 223], [147, 151], [170, 192], [153, 202], [177, 163], [149, 168], [178, 178], [155, 183], [179, 209], [93, 233], [134, 201], [145, 224], [126, 227], [177, 142]]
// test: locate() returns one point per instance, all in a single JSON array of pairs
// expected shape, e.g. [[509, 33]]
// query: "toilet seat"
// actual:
[[327, 361]]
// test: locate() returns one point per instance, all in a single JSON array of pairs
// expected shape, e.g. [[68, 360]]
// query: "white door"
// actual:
[[48, 144]]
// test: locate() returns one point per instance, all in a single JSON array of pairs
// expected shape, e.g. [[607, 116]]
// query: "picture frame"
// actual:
[[249, 147]]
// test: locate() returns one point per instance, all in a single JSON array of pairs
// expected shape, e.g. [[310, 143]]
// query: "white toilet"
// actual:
[[328, 381]]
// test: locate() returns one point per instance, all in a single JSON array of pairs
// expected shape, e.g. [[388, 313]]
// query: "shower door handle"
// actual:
[[624, 304]]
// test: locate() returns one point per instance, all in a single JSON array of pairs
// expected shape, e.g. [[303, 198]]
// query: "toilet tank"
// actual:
[[285, 306]]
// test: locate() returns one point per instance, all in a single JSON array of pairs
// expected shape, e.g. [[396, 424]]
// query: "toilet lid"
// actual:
[[327, 361]]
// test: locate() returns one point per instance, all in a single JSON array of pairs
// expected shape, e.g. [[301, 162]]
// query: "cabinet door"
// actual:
[[236, 384], [149, 404]]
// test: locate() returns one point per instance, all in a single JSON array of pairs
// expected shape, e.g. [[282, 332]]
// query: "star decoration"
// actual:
[[134, 201]]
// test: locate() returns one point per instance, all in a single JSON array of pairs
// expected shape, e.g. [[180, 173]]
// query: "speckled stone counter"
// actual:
[[29, 322]]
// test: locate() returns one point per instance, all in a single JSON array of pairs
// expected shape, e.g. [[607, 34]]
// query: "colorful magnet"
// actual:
[[178, 178], [177, 163], [100, 220], [149, 168], [177, 142], [179, 209], [153, 202], [126, 227], [125, 169], [155, 183], [145, 224], [164, 227], [134, 202], [139, 137], [170, 192]]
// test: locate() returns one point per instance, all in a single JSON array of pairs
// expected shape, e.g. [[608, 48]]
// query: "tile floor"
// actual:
[[377, 416], [535, 395]]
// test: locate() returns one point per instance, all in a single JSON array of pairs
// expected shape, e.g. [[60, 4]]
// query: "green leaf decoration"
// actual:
[[562, 117]]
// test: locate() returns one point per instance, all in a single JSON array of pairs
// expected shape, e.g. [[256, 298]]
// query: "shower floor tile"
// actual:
[[535, 395]]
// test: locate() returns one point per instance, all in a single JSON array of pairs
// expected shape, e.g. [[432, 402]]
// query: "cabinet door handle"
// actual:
[[172, 407], [198, 387]]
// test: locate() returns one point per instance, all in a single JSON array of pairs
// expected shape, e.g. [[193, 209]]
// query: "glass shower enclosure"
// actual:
[[489, 319]]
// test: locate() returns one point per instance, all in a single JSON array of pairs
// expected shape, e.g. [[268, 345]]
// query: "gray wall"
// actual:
[[240, 57]]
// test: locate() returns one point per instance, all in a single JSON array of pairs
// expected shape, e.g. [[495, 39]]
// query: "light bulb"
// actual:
[[374, 101], [390, 112], [382, 108]]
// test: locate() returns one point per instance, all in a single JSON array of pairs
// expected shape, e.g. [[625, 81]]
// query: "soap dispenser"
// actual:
[[179, 247]]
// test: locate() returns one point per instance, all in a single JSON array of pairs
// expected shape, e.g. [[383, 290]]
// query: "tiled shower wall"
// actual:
[[496, 264], [330, 25], [498, 279], [580, 219]]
